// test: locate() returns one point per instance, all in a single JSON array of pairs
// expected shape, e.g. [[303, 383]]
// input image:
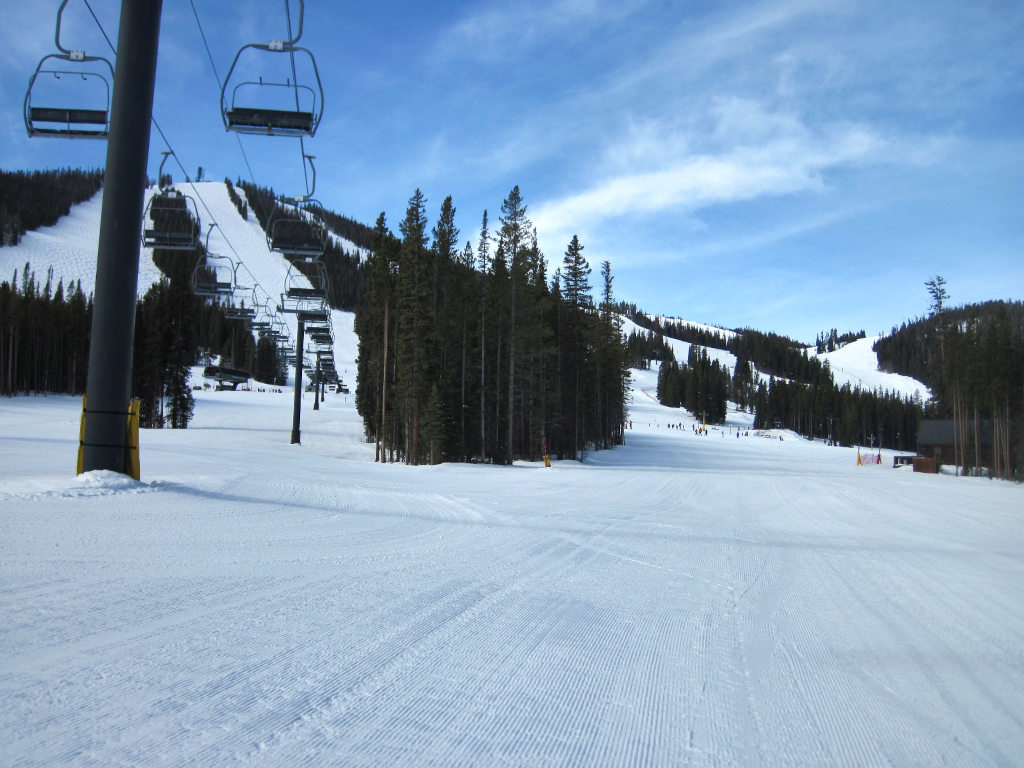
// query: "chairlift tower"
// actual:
[[104, 443]]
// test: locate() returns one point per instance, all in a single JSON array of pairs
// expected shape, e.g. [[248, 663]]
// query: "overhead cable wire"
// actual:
[[295, 88], [216, 75]]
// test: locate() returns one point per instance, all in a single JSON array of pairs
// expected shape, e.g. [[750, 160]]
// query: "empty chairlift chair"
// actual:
[[295, 235], [214, 274], [305, 288], [241, 311], [278, 106], [68, 95], [171, 222]]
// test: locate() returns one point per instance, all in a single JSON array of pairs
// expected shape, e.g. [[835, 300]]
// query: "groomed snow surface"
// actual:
[[680, 600]]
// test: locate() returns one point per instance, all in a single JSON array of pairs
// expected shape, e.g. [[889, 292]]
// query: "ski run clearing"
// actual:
[[680, 600]]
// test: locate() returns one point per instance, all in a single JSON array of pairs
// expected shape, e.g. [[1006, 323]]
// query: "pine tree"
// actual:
[[413, 328], [576, 293], [513, 235], [483, 263]]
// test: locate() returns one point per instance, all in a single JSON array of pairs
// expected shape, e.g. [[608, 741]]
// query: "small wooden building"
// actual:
[[936, 438]]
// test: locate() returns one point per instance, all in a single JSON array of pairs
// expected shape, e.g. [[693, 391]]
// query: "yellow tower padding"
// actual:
[[81, 438], [132, 467]]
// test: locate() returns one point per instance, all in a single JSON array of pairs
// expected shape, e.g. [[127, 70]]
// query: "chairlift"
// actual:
[[294, 229], [214, 274], [264, 107], [305, 288], [278, 328], [79, 106], [175, 222], [239, 312], [295, 236], [174, 217]]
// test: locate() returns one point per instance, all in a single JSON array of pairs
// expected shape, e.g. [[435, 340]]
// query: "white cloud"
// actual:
[[494, 31], [750, 153]]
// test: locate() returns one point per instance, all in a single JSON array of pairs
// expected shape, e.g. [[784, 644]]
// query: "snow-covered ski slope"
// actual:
[[70, 245], [855, 364], [680, 600]]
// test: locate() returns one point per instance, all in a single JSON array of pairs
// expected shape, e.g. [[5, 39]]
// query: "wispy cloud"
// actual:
[[494, 31], [752, 153]]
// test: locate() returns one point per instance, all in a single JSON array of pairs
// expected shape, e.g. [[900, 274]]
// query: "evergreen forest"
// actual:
[[972, 358], [477, 353]]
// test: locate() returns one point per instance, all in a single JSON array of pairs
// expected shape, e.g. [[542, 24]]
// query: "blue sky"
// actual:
[[789, 166]]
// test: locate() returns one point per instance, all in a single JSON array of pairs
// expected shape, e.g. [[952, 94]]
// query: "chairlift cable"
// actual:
[[295, 89], [216, 76], [91, 11]]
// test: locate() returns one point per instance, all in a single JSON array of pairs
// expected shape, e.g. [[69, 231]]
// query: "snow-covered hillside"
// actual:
[[69, 247], [731, 600], [855, 364], [681, 349]]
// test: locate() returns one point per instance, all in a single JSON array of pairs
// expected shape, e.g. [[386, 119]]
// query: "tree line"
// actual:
[[29, 200], [676, 329], [45, 332], [972, 358], [832, 340], [44, 335], [702, 386], [475, 354]]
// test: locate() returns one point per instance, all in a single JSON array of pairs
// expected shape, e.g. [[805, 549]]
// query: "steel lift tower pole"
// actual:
[[297, 401], [108, 386]]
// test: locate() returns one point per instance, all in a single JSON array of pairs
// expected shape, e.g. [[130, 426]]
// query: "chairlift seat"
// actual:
[[212, 288], [239, 313], [74, 122], [67, 115], [270, 121], [304, 293], [313, 316], [297, 247], [169, 241]]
